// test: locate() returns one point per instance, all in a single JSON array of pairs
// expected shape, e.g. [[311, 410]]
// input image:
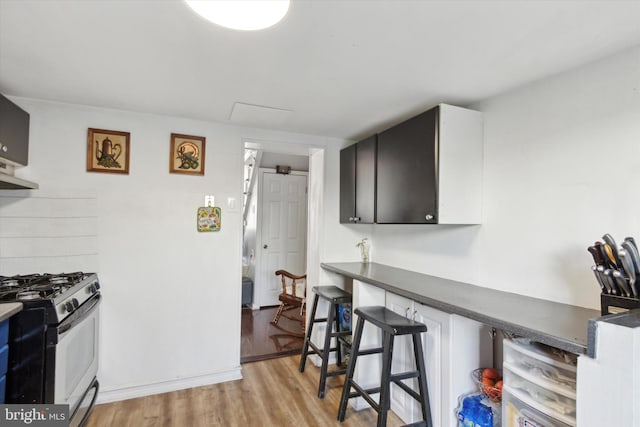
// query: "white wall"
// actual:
[[171, 307], [561, 168], [172, 296]]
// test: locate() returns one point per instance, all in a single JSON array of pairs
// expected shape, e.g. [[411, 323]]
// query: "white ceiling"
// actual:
[[333, 68]]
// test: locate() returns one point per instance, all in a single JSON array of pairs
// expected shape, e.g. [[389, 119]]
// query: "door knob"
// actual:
[[265, 246]]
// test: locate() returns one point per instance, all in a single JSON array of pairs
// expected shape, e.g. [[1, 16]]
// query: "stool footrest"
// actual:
[[370, 351], [404, 376], [409, 390], [336, 372], [366, 395], [344, 341], [316, 350]]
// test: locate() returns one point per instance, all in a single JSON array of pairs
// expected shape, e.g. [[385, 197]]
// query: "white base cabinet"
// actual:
[[453, 347]]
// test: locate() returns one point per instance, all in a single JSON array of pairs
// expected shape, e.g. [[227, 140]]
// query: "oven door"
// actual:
[[76, 354]]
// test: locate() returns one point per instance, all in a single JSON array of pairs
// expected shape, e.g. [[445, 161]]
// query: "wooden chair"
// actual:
[[294, 295]]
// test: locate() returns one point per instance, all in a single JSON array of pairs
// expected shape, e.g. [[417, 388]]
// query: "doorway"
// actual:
[[281, 232], [274, 237]]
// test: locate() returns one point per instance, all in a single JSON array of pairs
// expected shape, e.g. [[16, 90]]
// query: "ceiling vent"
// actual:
[[259, 116]]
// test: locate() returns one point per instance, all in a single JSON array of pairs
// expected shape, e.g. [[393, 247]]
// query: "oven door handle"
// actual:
[[94, 384], [79, 315]]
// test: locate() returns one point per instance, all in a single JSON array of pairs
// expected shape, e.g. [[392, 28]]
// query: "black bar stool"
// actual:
[[391, 324], [335, 296]]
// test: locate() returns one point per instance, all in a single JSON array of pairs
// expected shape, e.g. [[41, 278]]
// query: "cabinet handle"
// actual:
[[350, 218], [414, 314], [428, 217], [356, 218], [406, 312]]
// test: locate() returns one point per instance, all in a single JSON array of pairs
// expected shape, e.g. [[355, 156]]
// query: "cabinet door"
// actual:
[[435, 346], [14, 132], [407, 171], [433, 340], [366, 180], [357, 182], [348, 184], [401, 403]]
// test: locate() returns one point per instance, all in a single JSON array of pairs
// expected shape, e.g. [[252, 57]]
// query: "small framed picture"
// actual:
[[108, 151], [187, 154], [209, 219]]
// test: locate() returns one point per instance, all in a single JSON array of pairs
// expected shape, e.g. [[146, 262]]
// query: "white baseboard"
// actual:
[[167, 386]]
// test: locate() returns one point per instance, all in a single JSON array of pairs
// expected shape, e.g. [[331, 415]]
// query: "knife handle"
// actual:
[[621, 282], [629, 268], [603, 254], [632, 241], [595, 253], [612, 282], [609, 251], [609, 240], [599, 279], [632, 253], [600, 270]]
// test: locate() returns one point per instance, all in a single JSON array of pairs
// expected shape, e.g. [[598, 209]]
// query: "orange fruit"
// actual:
[[488, 381], [490, 373]]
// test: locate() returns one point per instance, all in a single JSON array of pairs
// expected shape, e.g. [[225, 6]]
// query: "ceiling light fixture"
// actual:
[[241, 15]]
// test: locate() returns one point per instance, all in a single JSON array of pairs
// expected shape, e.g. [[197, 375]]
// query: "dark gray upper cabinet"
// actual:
[[428, 170], [14, 133], [407, 171], [357, 182]]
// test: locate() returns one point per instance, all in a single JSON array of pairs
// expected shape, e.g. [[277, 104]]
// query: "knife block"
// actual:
[[617, 303]]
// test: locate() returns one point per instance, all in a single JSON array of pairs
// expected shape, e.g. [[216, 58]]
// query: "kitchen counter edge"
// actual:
[[559, 325], [9, 309]]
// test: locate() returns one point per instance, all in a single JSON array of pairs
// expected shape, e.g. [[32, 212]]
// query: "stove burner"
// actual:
[[58, 280], [9, 283], [27, 295], [38, 286]]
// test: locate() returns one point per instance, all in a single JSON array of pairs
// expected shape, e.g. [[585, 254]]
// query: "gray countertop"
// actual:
[[9, 309], [559, 325]]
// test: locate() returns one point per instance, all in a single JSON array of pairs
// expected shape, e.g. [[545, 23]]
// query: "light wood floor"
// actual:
[[272, 393]]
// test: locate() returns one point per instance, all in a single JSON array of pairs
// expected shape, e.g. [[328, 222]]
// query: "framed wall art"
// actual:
[[209, 219], [108, 151], [187, 154]]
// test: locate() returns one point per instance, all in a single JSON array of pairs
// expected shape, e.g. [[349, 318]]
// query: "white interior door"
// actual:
[[283, 230]]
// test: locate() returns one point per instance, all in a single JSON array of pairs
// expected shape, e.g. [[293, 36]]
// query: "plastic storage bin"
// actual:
[[553, 397], [539, 385], [519, 411], [540, 363]]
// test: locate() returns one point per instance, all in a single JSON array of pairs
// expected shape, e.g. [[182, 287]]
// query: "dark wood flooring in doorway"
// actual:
[[261, 340]]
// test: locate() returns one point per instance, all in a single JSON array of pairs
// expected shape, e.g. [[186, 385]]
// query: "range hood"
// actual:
[[8, 182]]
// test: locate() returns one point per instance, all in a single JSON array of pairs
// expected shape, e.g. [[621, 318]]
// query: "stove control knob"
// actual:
[[97, 285], [75, 303], [68, 306]]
